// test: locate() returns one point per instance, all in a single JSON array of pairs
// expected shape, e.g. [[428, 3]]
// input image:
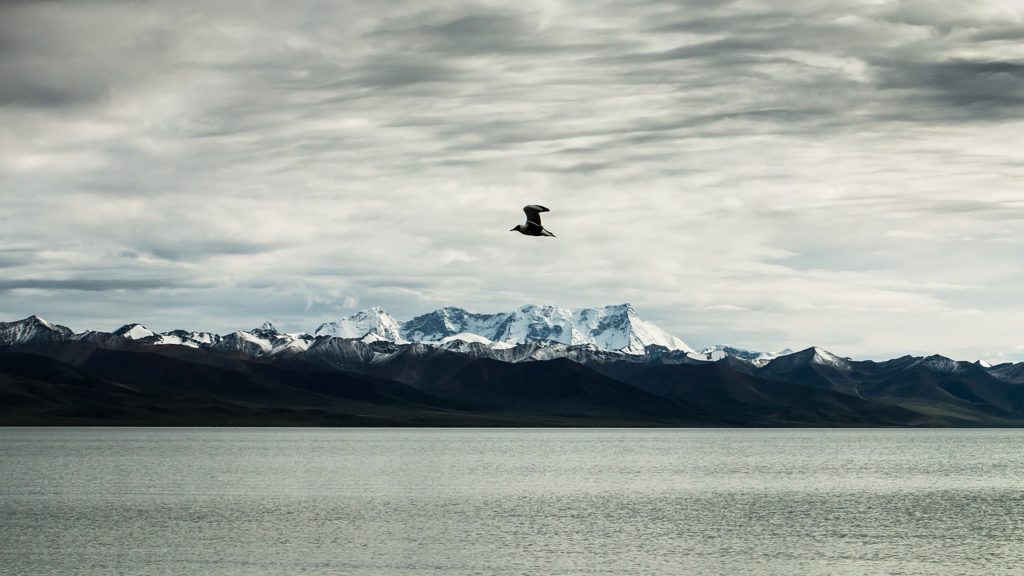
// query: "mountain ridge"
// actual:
[[612, 328], [51, 375], [530, 332]]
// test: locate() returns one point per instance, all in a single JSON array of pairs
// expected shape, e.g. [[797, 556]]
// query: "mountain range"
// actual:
[[533, 366]]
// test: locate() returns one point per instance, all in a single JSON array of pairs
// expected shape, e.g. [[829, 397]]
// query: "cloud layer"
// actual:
[[766, 174]]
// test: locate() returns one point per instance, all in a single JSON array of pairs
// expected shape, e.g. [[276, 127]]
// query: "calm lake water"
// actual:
[[458, 502]]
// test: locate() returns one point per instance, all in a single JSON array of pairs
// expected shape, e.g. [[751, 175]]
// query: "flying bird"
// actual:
[[532, 226]]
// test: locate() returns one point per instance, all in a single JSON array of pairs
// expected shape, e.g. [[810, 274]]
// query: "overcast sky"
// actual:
[[766, 174]]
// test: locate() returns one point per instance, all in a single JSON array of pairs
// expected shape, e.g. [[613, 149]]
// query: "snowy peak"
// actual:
[[245, 342], [38, 321], [823, 357], [190, 339], [621, 325], [267, 331], [450, 321], [610, 328], [809, 357], [372, 324], [721, 351], [539, 324], [588, 336], [263, 341], [134, 332], [941, 364], [32, 329]]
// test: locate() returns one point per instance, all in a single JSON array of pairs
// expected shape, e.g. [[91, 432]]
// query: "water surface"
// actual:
[[453, 502]]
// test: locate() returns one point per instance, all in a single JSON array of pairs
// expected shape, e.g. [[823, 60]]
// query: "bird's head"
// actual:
[[516, 229]]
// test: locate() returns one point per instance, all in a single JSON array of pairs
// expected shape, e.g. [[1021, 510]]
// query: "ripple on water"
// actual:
[[446, 502]]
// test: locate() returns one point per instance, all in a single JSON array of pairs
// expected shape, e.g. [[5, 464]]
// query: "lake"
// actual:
[[142, 501]]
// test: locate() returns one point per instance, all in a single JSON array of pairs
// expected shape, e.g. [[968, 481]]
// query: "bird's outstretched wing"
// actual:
[[533, 213]]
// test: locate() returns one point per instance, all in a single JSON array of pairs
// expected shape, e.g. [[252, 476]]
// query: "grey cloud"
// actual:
[[93, 284], [43, 62], [391, 72], [735, 22], [501, 35], [976, 89], [945, 18], [28, 92], [817, 165], [720, 50], [997, 34], [196, 250], [12, 257], [467, 34]]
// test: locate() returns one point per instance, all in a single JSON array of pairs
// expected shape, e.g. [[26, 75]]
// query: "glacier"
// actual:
[[616, 327]]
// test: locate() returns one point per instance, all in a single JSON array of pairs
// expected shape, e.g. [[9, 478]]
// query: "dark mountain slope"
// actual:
[[559, 387], [1008, 372], [143, 387], [757, 401], [131, 388], [962, 387], [340, 383]]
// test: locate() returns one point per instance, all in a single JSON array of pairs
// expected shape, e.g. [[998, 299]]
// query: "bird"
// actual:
[[533, 226]]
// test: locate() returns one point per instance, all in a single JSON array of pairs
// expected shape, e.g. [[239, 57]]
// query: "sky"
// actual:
[[845, 174]]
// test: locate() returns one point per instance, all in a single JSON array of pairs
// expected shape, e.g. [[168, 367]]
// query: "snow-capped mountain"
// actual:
[[32, 329], [267, 330], [190, 339], [721, 351], [615, 327], [449, 322], [592, 336], [263, 341], [941, 364], [526, 333], [243, 341], [134, 332], [372, 324], [826, 358], [813, 356], [611, 340]]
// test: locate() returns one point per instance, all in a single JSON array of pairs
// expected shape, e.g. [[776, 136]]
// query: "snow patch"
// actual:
[[134, 332], [466, 337], [825, 358], [941, 364]]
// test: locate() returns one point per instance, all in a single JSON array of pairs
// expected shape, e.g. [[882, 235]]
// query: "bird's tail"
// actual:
[[546, 232]]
